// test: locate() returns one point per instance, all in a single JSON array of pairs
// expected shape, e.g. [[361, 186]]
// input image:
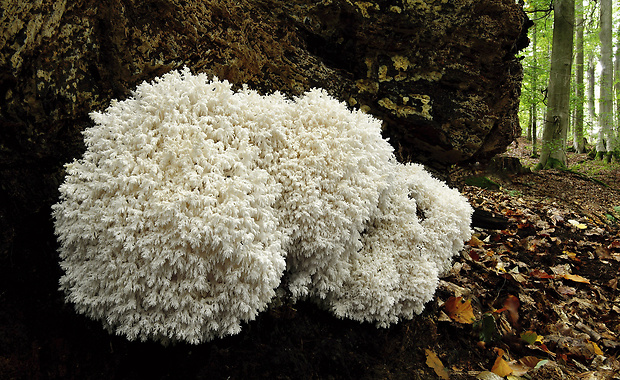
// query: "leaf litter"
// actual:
[[543, 291]]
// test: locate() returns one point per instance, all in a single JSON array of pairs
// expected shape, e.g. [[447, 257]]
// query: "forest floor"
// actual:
[[545, 289], [536, 300]]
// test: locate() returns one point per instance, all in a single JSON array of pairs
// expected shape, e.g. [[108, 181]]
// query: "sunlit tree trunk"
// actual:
[[617, 85], [553, 149], [591, 89], [534, 107], [528, 132], [606, 85], [578, 141]]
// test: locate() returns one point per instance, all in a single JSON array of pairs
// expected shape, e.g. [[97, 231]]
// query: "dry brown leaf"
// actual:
[[511, 303], [576, 278], [460, 310], [518, 368], [602, 252], [540, 274], [475, 242], [433, 362], [529, 361], [567, 290]]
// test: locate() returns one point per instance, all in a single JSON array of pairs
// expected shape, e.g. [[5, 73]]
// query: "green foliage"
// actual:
[[536, 63], [593, 167], [487, 328]]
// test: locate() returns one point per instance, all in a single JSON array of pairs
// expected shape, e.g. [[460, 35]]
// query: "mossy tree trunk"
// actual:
[[553, 150]]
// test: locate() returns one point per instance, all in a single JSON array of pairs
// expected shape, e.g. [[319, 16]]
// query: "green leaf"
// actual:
[[488, 328], [530, 337]]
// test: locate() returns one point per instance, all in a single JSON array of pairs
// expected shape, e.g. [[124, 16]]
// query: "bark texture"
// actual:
[[442, 74], [553, 151]]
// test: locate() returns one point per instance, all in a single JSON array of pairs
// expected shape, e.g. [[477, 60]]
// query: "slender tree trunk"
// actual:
[[553, 150], [528, 132], [606, 85], [578, 140], [617, 85], [535, 96], [591, 89], [534, 130]]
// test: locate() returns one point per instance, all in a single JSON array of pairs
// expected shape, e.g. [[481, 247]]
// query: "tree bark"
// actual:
[[606, 140], [553, 150], [591, 89], [534, 111], [578, 138], [617, 85]]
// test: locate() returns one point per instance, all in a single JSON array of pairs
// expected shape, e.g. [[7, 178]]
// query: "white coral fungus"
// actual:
[[192, 201]]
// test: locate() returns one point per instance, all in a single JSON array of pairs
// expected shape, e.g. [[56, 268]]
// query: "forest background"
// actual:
[[585, 112]]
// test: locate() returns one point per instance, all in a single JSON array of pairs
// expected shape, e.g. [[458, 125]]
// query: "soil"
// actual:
[[542, 294]]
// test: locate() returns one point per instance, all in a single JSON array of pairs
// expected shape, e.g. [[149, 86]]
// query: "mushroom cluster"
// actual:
[[193, 202]]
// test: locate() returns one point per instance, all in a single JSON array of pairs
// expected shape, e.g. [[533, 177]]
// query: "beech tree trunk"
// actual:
[[617, 85], [553, 150], [591, 89], [606, 139], [578, 140], [534, 110]]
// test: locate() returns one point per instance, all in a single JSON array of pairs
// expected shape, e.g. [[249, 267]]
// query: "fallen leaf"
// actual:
[[474, 255], [486, 375], [500, 367], [571, 255], [460, 310], [546, 349], [602, 252], [475, 242], [575, 223], [518, 277], [488, 328], [518, 368], [511, 303], [597, 350], [530, 361], [433, 362], [576, 278], [560, 269], [540, 274], [530, 337], [566, 290]]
